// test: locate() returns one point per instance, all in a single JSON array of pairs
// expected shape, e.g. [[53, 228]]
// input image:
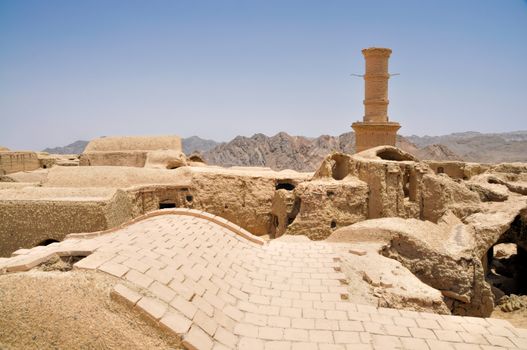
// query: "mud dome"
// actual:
[[443, 221]]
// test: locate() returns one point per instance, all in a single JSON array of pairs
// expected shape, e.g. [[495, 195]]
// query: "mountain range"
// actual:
[[283, 151]]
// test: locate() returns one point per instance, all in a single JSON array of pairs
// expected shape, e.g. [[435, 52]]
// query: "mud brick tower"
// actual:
[[375, 129]]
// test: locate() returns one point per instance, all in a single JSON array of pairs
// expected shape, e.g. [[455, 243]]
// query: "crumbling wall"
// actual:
[[12, 162], [243, 199], [127, 150], [115, 158], [26, 222], [149, 198], [456, 169], [441, 193], [325, 205]]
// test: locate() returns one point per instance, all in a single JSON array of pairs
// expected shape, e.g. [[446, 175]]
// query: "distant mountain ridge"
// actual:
[[283, 151], [478, 147], [76, 147]]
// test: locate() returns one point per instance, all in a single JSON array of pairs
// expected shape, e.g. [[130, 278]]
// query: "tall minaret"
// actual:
[[375, 129]]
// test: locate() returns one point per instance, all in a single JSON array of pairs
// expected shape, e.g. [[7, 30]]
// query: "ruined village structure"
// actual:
[[376, 249]]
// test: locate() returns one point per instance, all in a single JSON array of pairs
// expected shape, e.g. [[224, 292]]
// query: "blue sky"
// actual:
[[74, 70]]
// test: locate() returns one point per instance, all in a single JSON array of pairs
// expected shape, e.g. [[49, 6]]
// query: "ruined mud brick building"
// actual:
[[412, 235]]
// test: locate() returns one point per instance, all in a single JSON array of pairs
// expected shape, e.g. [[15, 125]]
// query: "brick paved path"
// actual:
[[219, 287]]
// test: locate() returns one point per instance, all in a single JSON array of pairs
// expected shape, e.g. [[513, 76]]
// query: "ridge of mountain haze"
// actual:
[[76, 147], [284, 151]]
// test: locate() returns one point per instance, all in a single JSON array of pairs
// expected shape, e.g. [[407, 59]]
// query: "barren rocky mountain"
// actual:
[[76, 147], [283, 151], [197, 144], [478, 147]]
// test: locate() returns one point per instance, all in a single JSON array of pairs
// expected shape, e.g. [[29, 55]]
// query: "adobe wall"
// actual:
[[12, 162], [457, 170], [131, 151], [31, 216], [134, 143], [114, 158]]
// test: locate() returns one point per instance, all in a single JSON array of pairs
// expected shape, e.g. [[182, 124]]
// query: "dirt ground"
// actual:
[[71, 310], [516, 318]]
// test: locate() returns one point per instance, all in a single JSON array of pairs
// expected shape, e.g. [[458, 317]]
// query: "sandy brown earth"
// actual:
[[516, 318], [71, 310]]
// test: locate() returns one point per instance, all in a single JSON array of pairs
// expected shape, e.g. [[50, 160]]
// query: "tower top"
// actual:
[[376, 51]]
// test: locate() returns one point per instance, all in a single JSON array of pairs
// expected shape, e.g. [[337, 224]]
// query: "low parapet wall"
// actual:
[[12, 162], [128, 158], [126, 150]]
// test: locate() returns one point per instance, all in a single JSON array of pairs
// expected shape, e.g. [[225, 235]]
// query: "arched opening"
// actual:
[[167, 205], [47, 242], [394, 154], [505, 264], [284, 185], [294, 212], [333, 224], [440, 170], [340, 167]]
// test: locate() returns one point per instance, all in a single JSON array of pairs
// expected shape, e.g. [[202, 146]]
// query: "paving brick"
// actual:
[[331, 347], [197, 339], [304, 346], [422, 333], [138, 278], [256, 319], [233, 313], [474, 328], [277, 345], [182, 290], [92, 261], [114, 269], [224, 320], [296, 334], [447, 335], [473, 338], [185, 307], [137, 265], [462, 346], [125, 294], [321, 336], [355, 326], [162, 276], [207, 323], [499, 341], [414, 344], [336, 315], [247, 343], [397, 331], [346, 337], [152, 307], [291, 312], [203, 305], [246, 330], [326, 324], [162, 292], [175, 322], [271, 333], [373, 328], [519, 342], [386, 342], [226, 337]]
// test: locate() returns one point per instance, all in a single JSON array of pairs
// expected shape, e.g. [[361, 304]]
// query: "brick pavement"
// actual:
[[218, 287]]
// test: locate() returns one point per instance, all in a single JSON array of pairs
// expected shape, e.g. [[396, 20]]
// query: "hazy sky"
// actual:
[[74, 70]]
